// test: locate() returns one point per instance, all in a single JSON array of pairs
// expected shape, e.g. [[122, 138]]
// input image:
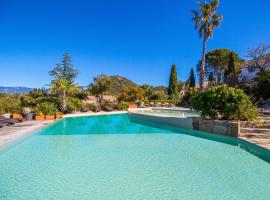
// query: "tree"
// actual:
[[262, 86], [211, 80], [173, 83], [216, 61], [206, 20], [260, 56], [63, 88], [232, 71], [192, 78], [100, 86], [131, 94], [65, 70], [63, 83]]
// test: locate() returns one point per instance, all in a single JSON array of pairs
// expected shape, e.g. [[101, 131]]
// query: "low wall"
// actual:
[[226, 128], [169, 121]]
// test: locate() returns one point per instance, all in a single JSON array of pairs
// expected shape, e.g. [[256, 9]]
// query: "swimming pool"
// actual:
[[111, 157], [169, 112]]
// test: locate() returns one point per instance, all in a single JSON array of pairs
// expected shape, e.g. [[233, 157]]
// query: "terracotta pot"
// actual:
[[17, 116], [58, 116], [40, 117], [49, 117], [132, 106]]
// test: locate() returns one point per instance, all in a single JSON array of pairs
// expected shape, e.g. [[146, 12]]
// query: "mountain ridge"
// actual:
[[15, 89]]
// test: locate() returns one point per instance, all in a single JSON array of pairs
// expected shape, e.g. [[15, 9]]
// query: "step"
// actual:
[[255, 130]]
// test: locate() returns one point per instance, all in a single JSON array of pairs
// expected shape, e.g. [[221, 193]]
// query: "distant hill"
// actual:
[[13, 90], [117, 84]]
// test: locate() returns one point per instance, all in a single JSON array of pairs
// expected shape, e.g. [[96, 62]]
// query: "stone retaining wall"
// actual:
[[226, 128]]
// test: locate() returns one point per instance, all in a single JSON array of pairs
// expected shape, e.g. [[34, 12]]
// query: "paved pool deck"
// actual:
[[261, 139], [8, 134]]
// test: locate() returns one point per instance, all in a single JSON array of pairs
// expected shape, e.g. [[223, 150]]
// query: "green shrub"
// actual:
[[10, 103], [74, 104], [223, 102], [188, 96], [107, 106], [121, 105], [46, 108]]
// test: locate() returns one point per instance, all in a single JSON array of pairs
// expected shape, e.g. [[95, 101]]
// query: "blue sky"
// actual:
[[139, 39]]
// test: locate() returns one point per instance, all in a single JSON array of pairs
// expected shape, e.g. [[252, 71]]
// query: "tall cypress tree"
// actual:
[[192, 78], [173, 83], [232, 71]]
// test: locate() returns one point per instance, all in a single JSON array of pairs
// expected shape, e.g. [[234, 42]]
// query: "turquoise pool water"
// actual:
[[110, 157], [170, 112]]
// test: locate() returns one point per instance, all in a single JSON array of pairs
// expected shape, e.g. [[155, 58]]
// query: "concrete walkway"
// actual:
[[11, 133]]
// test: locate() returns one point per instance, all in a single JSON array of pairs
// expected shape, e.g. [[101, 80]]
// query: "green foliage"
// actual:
[[93, 107], [173, 83], [262, 86], [116, 84], [107, 106], [10, 103], [65, 70], [121, 105], [232, 71], [211, 80], [100, 86], [192, 78], [131, 94], [188, 95], [223, 102], [216, 62], [64, 89], [46, 108], [74, 104]]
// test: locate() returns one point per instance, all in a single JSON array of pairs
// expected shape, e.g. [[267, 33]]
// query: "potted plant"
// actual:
[[27, 113], [45, 111], [50, 116], [38, 113], [16, 112]]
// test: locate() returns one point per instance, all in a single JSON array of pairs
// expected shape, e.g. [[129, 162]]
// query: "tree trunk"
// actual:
[[64, 102], [202, 75]]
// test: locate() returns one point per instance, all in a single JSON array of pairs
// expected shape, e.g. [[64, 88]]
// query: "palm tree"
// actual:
[[206, 20], [63, 87]]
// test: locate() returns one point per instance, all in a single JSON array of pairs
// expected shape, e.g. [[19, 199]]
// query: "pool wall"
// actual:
[[179, 122]]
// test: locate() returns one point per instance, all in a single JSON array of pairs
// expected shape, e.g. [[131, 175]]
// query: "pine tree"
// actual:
[[173, 83], [192, 78]]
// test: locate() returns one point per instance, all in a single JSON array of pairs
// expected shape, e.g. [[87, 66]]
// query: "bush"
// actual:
[[46, 108], [107, 106], [223, 102], [84, 107], [121, 105], [188, 96], [262, 86], [74, 104], [10, 103]]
